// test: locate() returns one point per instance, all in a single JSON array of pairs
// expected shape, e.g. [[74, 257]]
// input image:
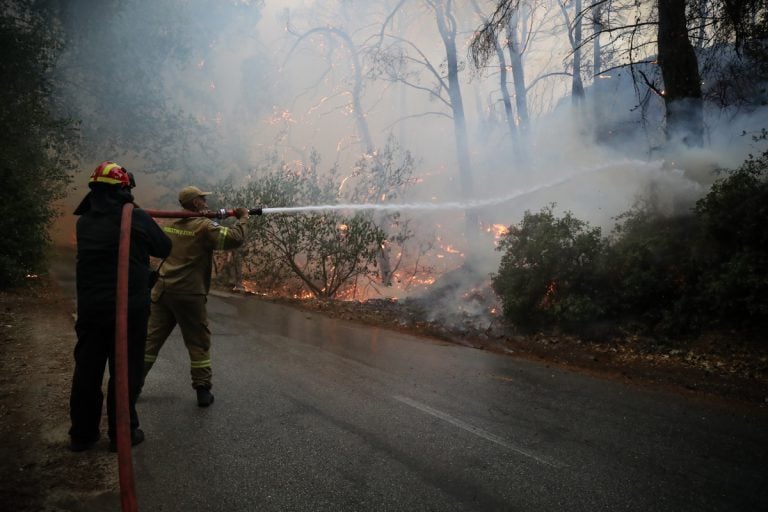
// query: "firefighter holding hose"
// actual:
[[180, 295], [98, 237]]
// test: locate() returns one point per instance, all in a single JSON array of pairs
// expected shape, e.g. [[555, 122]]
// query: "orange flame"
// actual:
[[498, 230]]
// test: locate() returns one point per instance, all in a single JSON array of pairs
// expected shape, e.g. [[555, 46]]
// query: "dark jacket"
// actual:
[[98, 238]]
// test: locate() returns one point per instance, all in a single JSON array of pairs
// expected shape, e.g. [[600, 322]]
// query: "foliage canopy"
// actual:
[[34, 145]]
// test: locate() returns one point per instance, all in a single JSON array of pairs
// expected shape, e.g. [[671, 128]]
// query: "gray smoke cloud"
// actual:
[[213, 87]]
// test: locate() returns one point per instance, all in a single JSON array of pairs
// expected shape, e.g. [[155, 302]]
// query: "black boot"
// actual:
[[204, 396], [80, 445]]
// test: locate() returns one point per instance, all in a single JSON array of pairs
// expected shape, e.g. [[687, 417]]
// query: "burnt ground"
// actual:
[[39, 473]]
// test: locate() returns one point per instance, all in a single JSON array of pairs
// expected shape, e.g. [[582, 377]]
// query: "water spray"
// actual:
[[450, 205], [225, 213]]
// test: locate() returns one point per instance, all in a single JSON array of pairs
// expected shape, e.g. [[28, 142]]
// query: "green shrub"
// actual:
[[734, 225], [548, 274], [34, 168], [659, 274], [652, 264]]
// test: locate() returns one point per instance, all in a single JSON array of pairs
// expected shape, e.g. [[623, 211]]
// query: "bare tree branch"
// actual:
[[483, 45], [413, 116]]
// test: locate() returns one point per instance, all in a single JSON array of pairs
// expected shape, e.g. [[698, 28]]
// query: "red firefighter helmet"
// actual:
[[111, 174]]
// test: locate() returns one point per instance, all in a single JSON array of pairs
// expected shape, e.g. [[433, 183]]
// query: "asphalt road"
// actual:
[[319, 414], [315, 414]]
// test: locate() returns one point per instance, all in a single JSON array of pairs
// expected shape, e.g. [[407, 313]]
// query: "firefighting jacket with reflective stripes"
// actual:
[[188, 268]]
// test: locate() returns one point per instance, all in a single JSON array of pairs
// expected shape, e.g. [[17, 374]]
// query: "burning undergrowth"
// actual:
[[414, 315], [459, 306], [462, 302]]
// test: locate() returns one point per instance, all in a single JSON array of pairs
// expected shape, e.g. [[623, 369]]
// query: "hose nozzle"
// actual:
[[223, 213]]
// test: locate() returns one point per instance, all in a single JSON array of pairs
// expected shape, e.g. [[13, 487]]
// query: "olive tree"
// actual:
[[321, 251]]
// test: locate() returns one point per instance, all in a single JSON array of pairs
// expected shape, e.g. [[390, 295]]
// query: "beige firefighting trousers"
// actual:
[[189, 312]]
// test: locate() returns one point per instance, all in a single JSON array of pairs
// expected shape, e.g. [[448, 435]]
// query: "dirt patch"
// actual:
[[38, 472]]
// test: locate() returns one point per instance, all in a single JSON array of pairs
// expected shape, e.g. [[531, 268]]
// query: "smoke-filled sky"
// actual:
[[201, 90]]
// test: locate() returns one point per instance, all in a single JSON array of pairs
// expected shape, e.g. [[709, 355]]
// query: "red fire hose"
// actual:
[[122, 416], [213, 214]]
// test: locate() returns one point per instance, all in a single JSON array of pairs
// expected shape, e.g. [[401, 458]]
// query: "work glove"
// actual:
[[242, 213]]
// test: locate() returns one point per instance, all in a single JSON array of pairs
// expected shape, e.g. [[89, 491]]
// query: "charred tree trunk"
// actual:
[[507, 99], [597, 29], [446, 24], [503, 82], [574, 38], [680, 71], [577, 86], [518, 74], [597, 67]]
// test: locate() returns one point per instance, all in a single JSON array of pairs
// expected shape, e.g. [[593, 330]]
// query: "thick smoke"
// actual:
[[244, 80]]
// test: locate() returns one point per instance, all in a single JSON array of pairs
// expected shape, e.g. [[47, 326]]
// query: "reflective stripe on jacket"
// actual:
[[188, 268]]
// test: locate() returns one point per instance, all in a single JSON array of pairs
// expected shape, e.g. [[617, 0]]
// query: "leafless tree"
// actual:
[[361, 122], [515, 47], [503, 84], [396, 58], [676, 23], [573, 25]]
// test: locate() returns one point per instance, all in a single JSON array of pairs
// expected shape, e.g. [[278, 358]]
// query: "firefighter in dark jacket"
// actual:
[[181, 292], [98, 237]]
